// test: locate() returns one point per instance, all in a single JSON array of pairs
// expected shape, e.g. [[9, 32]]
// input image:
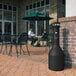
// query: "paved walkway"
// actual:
[[12, 66], [34, 65]]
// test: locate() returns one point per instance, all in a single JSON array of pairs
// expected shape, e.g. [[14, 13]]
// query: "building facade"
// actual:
[[8, 17], [12, 11]]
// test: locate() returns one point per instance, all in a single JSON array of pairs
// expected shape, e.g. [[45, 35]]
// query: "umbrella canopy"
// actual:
[[37, 16]]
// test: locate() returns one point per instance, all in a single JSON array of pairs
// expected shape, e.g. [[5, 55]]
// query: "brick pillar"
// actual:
[[68, 39]]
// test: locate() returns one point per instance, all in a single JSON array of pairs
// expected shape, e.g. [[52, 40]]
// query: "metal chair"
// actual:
[[0, 42], [20, 41], [6, 39]]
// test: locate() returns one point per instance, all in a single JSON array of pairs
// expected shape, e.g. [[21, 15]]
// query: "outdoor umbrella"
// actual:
[[37, 16]]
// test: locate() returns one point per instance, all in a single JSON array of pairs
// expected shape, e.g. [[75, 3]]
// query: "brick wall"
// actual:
[[68, 39]]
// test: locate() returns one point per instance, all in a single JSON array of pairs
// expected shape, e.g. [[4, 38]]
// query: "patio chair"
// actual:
[[0, 37], [0, 42], [20, 41], [6, 39]]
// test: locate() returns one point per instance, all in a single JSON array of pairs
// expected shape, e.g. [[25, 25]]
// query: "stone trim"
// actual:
[[67, 19]]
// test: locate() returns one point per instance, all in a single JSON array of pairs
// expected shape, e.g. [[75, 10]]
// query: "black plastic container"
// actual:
[[56, 55]]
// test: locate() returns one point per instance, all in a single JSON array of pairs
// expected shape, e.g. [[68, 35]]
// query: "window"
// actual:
[[14, 16], [7, 15], [0, 14], [9, 7], [26, 7], [30, 6], [5, 7], [41, 9], [0, 27], [0, 6], [47, 2], [7, 28], [47, 8], [27, 26], [47, 22], [63, 2], [34, 5], [38, 4], [14, 8], [42, 3], [14, 27]]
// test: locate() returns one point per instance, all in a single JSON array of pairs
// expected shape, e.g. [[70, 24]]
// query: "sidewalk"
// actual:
[[12, 66], [34, 65]]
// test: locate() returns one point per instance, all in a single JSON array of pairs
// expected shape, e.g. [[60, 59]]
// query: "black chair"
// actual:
[[0, 42], [6, 40], [20, 40], [0, 37]]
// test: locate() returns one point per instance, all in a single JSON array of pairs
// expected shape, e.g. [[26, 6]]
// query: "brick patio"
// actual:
[[34, 65]]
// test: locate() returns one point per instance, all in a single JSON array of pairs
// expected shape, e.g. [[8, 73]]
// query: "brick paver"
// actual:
[[34, 65], [12, 66]]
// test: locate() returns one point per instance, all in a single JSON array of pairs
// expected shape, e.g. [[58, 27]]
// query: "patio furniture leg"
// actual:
[[23, 52], [27, 50], [16, 49], [22, 49], [1, 48], [6, 48], [10, 52]]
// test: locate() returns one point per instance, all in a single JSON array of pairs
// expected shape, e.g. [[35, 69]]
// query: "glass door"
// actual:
[[7, 28], [0, 30]]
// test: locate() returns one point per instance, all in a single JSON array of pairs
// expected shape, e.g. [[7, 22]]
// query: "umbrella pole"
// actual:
[[38, 42], [36, 27]]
